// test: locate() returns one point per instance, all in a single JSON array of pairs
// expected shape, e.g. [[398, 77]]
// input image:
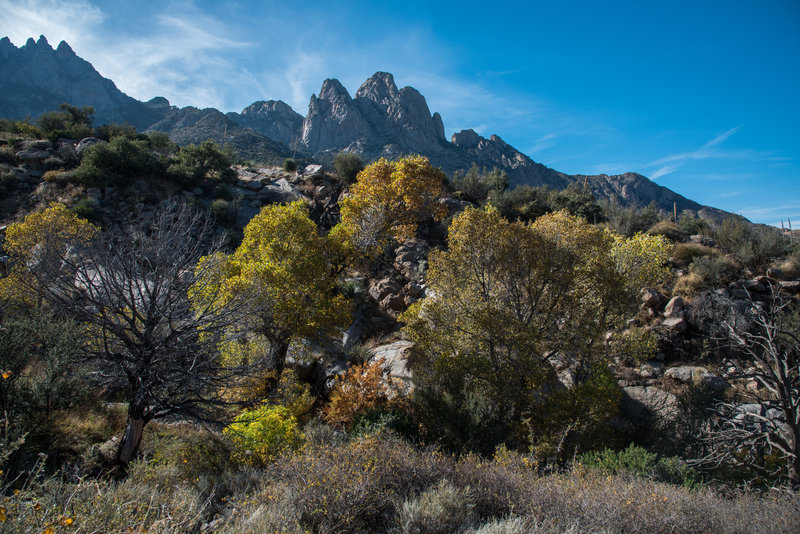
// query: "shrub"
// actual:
[[361, 389], [476, 185], [578, 201], [691, 225], [7, 155], [107, 132], [635, 345], [524, 203], [289, 165], [116, 163], [222, 211], [684, 253], [640, 462], [86, 208], [753, 245], [261, 435], [667, 229], [688, 285], [441, 509], [629, 221], [195, 162], [223, 191], [348, 165], [714, 271]]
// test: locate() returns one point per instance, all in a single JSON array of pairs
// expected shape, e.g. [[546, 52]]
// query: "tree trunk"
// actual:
[[129, 444], [276, 359]]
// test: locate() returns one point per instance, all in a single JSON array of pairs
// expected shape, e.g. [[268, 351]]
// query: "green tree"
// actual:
[[511, 299], [119, 161], [476, 185], [70, 122], [195, 162], [282, 270]]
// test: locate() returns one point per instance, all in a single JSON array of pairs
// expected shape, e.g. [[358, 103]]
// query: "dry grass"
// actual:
[[383, 484]]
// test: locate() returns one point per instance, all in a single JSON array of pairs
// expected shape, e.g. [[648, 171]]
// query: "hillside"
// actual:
[[381, 120]]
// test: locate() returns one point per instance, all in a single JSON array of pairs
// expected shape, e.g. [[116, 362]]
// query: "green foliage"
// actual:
[[117, 162], [691, 225], [577, 201], [161, 144], [714, 271], [40, 371], [508, 297], [223, 191], [86, 208], [629, 221], [640, 462], [634, 346], [70, 122], [348, 165], [476, 185], [755, 246], [668, 229], [195, 162], [523, 203], [261, 435], [222, 211], [289, 165], [107, 132]]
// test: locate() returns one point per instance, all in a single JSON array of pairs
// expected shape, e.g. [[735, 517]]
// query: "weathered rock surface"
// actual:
[[273, 118]]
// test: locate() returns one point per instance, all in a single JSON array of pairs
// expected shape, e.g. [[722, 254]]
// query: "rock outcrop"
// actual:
[[274, 118], [35, 78]]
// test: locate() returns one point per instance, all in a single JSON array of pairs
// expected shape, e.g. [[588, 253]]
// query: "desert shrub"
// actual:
[[634, 346], [667, 229], [628, 221], [348, 165], [261, 435], [116, 163], [107, 132], [86, 208], [755, 246], [222, 211], [578, 201], [161, 144], [684, 253], [688, 285], [362, 388], [223, 191], [640, 462], [26, 129], [7, 154], [476, 185], [691, 225], [714, 271], [195, 162], [40, 371], [441, 509], [524, 203], [289, 165]]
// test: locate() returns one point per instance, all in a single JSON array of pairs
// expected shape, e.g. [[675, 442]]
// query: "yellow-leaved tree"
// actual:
[[511, 302], [388, 201], [283, 275], [37, 246]]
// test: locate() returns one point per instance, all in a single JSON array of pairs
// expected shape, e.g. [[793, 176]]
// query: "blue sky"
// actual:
[[703, 97]]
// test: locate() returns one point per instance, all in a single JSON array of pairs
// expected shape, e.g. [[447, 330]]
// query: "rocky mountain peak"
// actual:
[[64, 50], [274, 118], [332, 89], [380, 88], [466, 138]]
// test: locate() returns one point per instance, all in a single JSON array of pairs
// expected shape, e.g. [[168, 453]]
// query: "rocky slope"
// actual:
[[381, 120], [35, 78]]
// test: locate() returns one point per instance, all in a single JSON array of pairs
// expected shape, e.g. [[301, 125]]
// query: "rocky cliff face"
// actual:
[[379, 121], [35, 78], [273, 118]]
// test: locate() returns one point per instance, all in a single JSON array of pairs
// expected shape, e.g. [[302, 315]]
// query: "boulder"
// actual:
[[675, 324], [697, 375], [383, 288], [253, 185], [791, 286], [645, 403], [651, 298], [704, 240], [86, 143], [243, 216], [674, 307], [395, 359], [314, 171]]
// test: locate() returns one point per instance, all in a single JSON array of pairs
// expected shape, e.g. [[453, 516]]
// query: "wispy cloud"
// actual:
[[73, 21], [709, 150]]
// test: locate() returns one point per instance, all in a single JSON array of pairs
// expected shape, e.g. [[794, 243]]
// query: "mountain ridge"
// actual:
[[380, 120]]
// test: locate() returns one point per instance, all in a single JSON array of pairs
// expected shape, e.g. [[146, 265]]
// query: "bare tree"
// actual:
[[130, 290], [760, 431]]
